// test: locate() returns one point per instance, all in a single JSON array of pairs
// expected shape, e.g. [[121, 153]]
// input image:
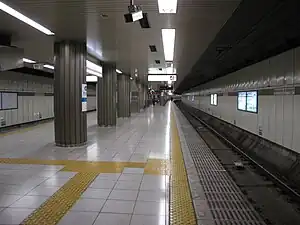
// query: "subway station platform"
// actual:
[[124, 175], [141, 172]]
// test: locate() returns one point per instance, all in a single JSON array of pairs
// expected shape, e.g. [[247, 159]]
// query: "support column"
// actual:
[[134, 104], [141, 92], [69, 76], [106, 96], [123, 96]]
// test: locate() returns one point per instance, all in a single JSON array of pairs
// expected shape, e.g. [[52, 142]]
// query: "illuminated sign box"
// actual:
[[91, 78], [247, 101], [162, 77]]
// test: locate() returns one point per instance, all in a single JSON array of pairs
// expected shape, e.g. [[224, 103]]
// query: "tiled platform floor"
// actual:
[[143, 136], [130, 196], [111, 199]]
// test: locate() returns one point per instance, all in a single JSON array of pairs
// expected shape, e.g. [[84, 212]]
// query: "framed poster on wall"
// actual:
[[9, 100]]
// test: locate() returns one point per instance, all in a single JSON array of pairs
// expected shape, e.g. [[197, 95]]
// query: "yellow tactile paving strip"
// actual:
[[157, 167], [153, 166], [181, 204], [52, 211], [79, 166]]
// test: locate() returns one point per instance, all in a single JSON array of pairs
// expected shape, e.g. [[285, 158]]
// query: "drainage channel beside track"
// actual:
[[260, 193]]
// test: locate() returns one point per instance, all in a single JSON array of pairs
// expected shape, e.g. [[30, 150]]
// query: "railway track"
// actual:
[[275, 201]]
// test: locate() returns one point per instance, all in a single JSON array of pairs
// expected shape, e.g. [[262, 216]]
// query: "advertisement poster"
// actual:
[[84, 98], [252, 101], [242, 98]]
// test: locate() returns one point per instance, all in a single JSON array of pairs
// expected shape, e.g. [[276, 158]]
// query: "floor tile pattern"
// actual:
[[122, 177]]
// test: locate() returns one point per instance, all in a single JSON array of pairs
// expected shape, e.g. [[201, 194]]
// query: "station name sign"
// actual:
[[162, 77]]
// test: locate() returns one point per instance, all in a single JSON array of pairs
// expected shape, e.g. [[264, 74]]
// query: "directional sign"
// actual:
[[162, 77]]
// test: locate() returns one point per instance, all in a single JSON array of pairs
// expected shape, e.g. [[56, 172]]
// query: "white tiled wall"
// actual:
[[278, 115], [29, 106]]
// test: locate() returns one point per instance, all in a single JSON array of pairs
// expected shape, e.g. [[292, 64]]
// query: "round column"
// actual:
[[69, 80]]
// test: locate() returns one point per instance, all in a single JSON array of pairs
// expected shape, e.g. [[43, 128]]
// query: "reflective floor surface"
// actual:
[[121, 177]]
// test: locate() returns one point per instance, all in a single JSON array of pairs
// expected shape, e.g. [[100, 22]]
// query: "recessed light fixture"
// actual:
[[167, 6], [118, 71], [28, 60], [152, 48], [168, 37], [25, 19], [49, 66], [136, 74], [131, 78]]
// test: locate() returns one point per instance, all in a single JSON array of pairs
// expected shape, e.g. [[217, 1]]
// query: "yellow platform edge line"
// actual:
[[181, 203], [53, 210]]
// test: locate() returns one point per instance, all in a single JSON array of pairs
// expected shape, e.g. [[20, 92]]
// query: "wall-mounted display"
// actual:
[[242, 104], [247, 101], [9, 100], [214, 99], [252, 101]]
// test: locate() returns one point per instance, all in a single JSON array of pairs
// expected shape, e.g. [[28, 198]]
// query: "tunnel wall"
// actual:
[[35, 98], [280, 161], [277, 81]]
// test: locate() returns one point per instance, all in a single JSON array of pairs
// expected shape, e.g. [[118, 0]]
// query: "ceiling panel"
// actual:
[[101, 22], [257, 30]]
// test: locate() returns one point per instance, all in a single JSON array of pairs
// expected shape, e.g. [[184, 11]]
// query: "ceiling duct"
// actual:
[[10, 57]]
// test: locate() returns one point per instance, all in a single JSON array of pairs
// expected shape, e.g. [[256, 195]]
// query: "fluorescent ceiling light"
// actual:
[[94, 69], [28, 60], [162, 77], [118, 71], [25, 19], [168, 37], [49, 66], [167, 6], [91, 78], [93, 66], [92, 72]]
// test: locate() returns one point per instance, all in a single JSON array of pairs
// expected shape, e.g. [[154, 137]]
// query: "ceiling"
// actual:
[[257, 30], [109, 39]]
